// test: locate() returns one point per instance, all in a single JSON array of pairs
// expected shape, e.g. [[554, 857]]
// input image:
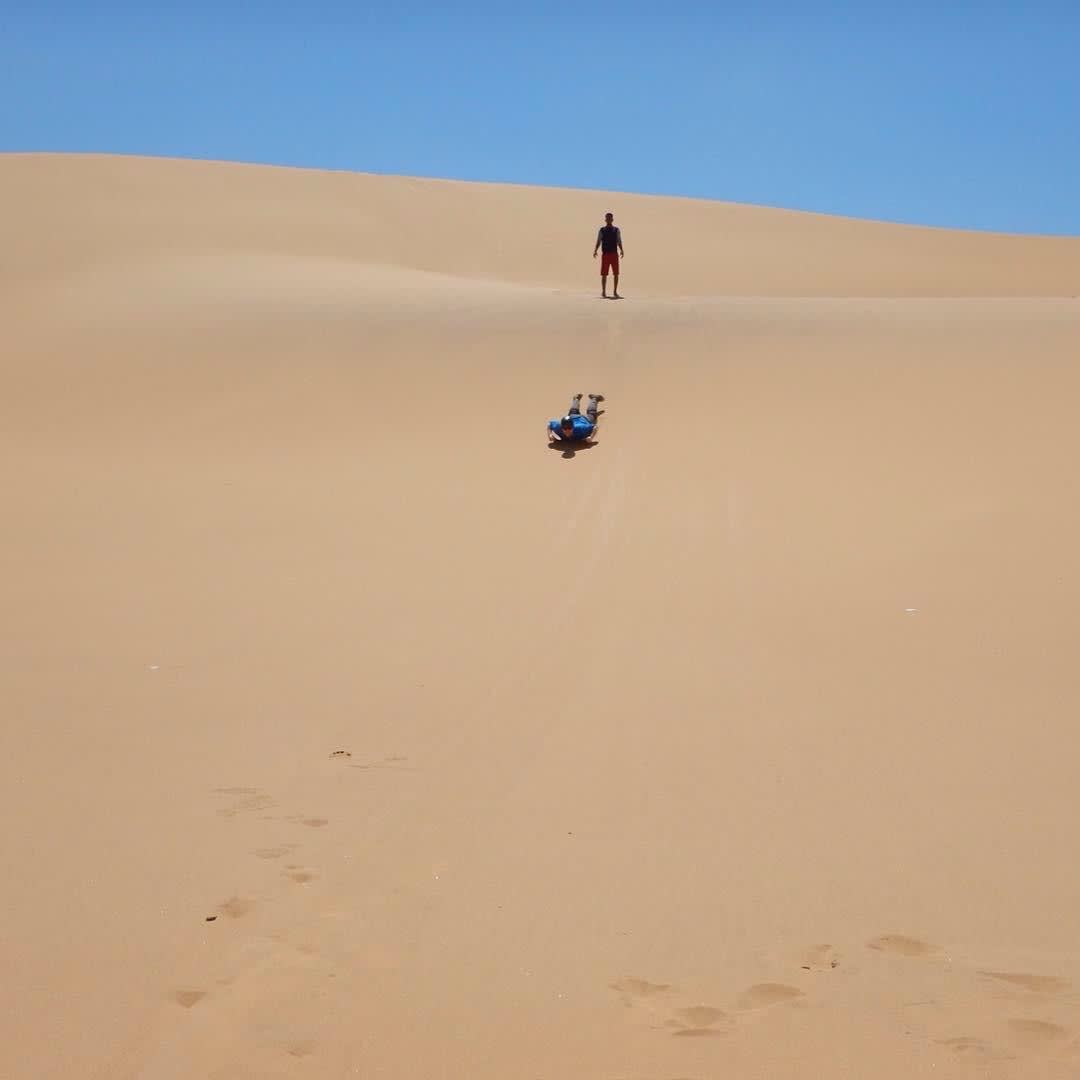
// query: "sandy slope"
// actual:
[[740, 744]]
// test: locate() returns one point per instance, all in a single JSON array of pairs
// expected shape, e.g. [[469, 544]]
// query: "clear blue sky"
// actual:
[[954, 113]]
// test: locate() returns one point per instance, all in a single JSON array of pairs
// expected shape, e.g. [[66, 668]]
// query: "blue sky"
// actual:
[[960, 114]]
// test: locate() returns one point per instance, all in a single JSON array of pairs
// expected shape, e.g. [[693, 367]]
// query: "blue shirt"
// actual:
[[583, 428]]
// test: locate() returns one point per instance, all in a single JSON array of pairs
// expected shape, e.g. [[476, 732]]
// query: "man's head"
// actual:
[[567, 424], [609, 218]]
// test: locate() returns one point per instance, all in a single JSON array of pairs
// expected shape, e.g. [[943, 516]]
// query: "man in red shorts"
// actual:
[[609, 243]]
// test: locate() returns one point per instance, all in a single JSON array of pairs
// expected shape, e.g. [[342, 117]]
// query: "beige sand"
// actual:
[[741, 744]]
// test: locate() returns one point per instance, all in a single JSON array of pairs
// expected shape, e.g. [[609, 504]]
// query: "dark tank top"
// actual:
[[609, 238]]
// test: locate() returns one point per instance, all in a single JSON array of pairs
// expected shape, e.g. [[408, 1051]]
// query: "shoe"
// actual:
[[598, 397]]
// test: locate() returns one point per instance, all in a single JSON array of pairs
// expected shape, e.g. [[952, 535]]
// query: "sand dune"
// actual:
[[354, 731], [79, 212]]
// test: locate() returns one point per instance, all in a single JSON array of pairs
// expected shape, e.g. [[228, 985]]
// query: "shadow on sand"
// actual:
[[568, 449]]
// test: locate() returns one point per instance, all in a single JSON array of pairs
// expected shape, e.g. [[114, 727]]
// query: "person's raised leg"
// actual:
[[591, 411], [575, 405]]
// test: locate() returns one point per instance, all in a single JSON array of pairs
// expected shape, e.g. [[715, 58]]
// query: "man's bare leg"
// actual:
[[603, 286], [615, 293]]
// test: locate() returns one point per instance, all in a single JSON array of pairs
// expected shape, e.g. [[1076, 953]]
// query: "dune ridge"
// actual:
[[74, 206]]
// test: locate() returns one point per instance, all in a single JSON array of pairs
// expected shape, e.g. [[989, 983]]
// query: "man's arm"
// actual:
[[618, 236], [599, 234]]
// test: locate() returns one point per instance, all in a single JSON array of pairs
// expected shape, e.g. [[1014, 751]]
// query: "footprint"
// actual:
[[236, 791], [700, 1015], [968, 1046], [313, 822], [1037, 1031], [246, 806], [638, 988], [188, 998], [299, 875], [697, 1021], [301, 1048], [905, 946], [271, 852], [236, 907], [763, 995], [1039, 984], [394, 761], [820, 958]]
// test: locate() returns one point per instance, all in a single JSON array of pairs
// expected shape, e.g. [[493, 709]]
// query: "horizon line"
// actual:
[[535, 185]]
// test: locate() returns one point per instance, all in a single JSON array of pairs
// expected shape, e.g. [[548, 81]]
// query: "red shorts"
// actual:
[[609, 260]]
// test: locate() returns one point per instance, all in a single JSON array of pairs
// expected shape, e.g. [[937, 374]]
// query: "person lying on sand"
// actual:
[[574, 427]]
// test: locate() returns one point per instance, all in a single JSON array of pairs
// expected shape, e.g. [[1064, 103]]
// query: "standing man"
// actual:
[[609, 242]]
